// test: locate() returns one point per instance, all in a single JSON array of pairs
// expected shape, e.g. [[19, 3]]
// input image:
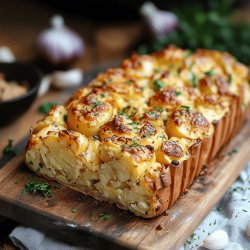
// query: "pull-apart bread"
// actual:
[[138, 135]]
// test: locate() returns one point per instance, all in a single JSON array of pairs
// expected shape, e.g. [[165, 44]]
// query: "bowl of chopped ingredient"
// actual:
[[19, 84]]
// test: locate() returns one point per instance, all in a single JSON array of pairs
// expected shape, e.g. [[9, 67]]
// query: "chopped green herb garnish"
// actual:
[[243, 106], [31, 162], [151, 131], [135, 144], [74, 210], [133, 123], [193, 236], [194, 80], [209, 73], [218, 209], [124, 114], [105, 216], [45, 107], [191, 239], [109, 80], [8, 149], [128, 82], [170, 67], [187, 108], [158, 84], [237, 189], [103, 95], [187, 242], [229, 79], [96, 138], [177, 93], [161, 136], [151, 113], [190, 65], [96, 104], [41, 188], [158, 109], [65, 117], [187, 54], [233, 151]]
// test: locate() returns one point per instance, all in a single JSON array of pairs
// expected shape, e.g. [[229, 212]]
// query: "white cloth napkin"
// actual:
[[231, 214], [31, 239]]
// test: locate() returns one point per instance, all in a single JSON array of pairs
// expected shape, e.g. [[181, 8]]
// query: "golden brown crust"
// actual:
[[117, 125], [166, 97], [139, 153], [139, 135], [171, 148], [147, 129], [202, 154]]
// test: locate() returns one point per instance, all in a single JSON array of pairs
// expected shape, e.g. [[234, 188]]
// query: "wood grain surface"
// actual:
[[123, 230], [20, 23]]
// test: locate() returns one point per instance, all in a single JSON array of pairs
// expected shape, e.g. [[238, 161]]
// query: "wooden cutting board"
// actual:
[[121, 230]]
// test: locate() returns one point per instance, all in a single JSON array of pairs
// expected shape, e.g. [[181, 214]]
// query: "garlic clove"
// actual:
[[44, 85], [59, 44], [161, 22], [216, 240], [6, 55], [67, 79], [248, 229]]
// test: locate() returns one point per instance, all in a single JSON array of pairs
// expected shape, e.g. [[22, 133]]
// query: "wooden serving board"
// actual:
[[123, 230]]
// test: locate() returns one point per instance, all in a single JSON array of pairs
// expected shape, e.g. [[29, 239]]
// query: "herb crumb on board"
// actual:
[[105, 216], [233, 151], [8, 149], [74, 210], [40, 188], [96, 216]]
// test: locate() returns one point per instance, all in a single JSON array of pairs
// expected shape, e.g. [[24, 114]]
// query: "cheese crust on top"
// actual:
[[116, 138]]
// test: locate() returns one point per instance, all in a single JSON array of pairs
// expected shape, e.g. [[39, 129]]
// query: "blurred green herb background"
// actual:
[[208, 25]]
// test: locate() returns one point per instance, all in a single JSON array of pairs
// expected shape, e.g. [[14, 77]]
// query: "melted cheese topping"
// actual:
[[117, 135]]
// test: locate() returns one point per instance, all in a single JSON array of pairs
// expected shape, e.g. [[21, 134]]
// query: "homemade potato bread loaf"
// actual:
[[138, 135]]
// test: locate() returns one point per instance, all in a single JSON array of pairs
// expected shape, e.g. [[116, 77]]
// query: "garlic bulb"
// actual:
[[67, 79], [216, 240], [161, 22], [6, 55], [59, 44], [248, 229]]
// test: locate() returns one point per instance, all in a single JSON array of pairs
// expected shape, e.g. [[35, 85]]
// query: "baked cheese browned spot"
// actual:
[[171, 148]]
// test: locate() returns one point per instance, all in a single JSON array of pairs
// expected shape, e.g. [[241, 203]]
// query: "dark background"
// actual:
[[99, 10]]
